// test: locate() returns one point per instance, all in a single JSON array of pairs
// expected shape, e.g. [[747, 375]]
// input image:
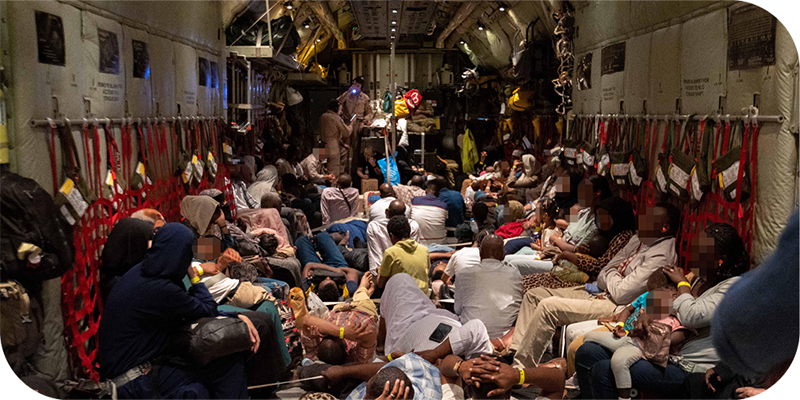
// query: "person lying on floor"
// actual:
[[214, 269], [412, 322], [347, 334], [332, 261], [357, 258]]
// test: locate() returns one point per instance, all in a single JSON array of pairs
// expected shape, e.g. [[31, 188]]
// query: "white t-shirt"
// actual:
[[467, 257], [378, 241], [378, 209]]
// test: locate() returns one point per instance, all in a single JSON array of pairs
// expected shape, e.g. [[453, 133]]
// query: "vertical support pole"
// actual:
[[372, 84], [378, 72], [411, 74], [353, 69], [360, 65], [394, 116], [269, 30], [430, 69]]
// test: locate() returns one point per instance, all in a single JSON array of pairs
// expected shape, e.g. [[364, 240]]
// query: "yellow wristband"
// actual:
[[521, 377], [199, 270], [195, 280], [389, 357], [620, 324], [341, 333], [684, 283]]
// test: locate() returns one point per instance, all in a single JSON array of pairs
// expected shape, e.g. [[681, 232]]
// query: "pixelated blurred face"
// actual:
[[505, 167], [603, 220], [562, 185], [207, 248], [585, 194], [659, 304], [704, 258], [651, 223]]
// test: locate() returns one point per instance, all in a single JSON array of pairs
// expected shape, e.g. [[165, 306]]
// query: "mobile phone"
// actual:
[[353, 117], [440, 333]]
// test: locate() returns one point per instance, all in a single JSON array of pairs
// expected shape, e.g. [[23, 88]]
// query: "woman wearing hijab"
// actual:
[[266, 182], [531, 174], [243, 243], [145, 311], [125, 247], [203, 215], [615, 223]]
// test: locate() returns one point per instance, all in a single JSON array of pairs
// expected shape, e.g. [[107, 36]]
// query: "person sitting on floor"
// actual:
[[490, 292], [622, 280], [339, 202], [347, 334], [431, 214], [405, 255], [467, 257], [378, 209], [406, 193], [378, 239], [455, 205]]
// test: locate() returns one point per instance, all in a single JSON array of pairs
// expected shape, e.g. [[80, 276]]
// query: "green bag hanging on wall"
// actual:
[[700, 179], [73, 197], [727, 166], [681, 163], [620, 159]]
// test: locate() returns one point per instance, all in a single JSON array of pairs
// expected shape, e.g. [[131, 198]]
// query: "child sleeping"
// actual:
[[647, 328], [595, 246]]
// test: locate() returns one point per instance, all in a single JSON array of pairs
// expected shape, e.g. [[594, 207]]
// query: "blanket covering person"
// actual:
[[267, 220], [265, 183]]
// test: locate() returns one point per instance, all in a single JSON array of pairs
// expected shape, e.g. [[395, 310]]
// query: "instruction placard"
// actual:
[[751, 38], [612, 58], [141, 60], [109, 52], [50, 39]]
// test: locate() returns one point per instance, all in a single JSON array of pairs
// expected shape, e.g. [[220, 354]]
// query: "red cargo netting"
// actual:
[[81, 300]]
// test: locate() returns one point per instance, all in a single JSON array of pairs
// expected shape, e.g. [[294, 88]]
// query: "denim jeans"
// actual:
[[596, 378], [327, 247]]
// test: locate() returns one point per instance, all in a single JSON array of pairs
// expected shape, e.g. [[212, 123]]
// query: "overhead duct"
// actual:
[[326, 19], [466, 24], [463, 12]]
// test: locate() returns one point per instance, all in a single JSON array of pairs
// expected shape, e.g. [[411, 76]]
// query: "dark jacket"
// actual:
[[149, 304]]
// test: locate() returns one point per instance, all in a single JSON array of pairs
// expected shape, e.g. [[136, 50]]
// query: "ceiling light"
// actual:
[[306, 25], [288, 6], [394, 22], [461, 41], [480, 27], [502, 8], [393, 29], [319, 40], [394, 11], [392, 36]]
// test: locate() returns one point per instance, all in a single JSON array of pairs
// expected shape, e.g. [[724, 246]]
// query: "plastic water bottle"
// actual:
[[473, 225]]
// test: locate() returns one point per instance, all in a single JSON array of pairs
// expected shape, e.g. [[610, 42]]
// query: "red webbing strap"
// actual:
[[164, 149], [53, 166], [603, 132], [175, 135], [126, 153], [666, 134], [727, 137]]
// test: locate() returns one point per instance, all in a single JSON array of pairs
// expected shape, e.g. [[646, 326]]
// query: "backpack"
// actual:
[[700, 179], [733, 163], [638, 170]]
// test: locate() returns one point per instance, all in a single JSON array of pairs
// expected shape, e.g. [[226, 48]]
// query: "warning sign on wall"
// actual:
[[109, 52], [50, 39], [751, 38], [612, 58], [141, 59]]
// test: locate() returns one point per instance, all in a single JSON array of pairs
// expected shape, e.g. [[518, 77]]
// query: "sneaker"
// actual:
[[572, 383]]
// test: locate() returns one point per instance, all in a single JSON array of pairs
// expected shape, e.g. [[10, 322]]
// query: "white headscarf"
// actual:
[[265, 183], [402, 304]]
